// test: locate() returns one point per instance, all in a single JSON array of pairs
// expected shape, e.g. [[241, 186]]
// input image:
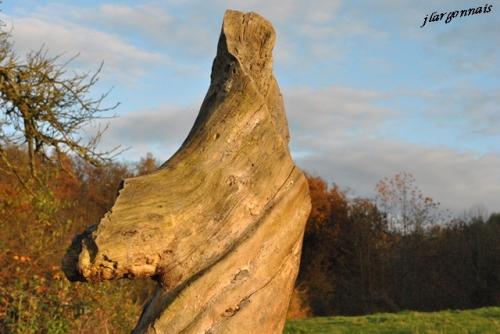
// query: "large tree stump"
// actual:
[[220, 224]]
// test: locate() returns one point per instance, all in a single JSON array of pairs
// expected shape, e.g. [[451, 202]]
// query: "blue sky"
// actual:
[[368, 92]]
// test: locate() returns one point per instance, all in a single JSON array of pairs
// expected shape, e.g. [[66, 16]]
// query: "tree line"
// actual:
[[397, 251]]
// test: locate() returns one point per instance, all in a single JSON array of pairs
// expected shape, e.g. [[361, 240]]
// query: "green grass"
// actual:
[[483, 320]]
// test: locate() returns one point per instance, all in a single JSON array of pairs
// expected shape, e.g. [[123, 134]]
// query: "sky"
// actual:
[[368, 91]]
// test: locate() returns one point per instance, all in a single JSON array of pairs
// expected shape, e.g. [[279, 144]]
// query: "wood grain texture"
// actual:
[[220, 224]]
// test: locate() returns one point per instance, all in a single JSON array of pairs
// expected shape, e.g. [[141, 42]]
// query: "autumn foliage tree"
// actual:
[[406, 207], [147, 164], [316, 281], [36, 229]]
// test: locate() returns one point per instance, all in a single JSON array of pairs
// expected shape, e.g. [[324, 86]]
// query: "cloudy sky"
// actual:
[[368, 92]]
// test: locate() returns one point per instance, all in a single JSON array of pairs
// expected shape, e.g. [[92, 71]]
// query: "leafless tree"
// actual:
[[45, 108]]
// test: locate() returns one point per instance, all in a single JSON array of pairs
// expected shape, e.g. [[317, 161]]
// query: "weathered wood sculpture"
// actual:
[[220, 224]]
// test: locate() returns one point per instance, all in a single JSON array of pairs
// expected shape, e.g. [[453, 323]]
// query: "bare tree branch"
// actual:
[[45, 108]]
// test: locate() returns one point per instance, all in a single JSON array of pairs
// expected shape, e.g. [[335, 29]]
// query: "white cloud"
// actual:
[[333, 112], [466, 107], [150, 22], [160, 130], [62, 37], [149, 18], [468, 42], [457, 180], [338, 133]]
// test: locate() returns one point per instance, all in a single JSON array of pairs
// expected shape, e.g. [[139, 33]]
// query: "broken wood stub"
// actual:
[[220, 224]]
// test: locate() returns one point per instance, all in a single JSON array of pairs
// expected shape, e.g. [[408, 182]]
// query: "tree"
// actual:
[[317, 280], [360, 268], [147, 164], [406, 207], [409, 213], [45, 109]]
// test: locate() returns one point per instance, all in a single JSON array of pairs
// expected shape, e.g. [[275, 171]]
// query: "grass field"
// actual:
[[483, 320]]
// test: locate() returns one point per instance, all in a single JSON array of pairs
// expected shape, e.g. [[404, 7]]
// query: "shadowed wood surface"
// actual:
[[220, 224]]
